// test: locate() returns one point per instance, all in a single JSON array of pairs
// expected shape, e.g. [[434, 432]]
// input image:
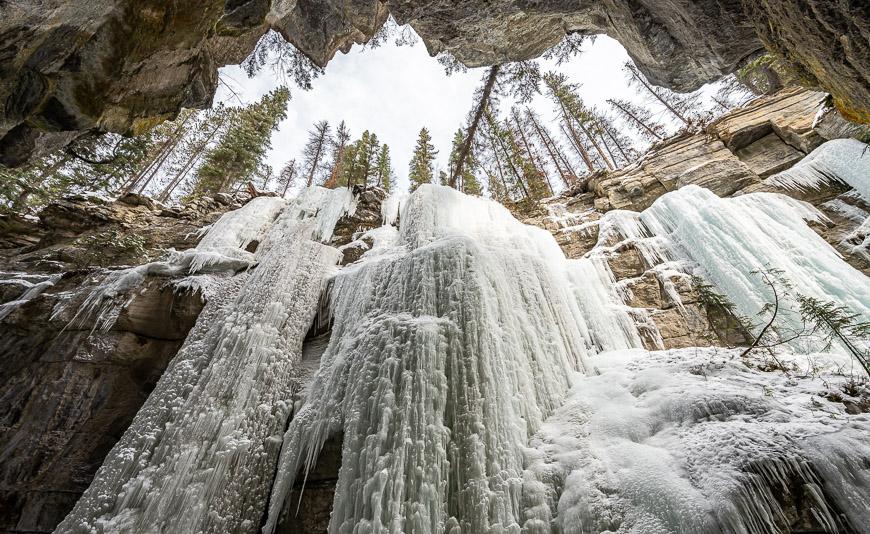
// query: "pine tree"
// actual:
[[467, 181], [678, 106], [315, 152], [385, 169], [287, 176], [640, 118], [482, 100], [563, 167], [367, 154], [237, 155], [420, 171], [205, 129], [339, 144]]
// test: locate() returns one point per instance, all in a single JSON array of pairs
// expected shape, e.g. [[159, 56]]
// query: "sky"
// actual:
[[394, 91]]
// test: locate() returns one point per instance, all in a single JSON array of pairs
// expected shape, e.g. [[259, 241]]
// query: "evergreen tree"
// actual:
[[679, 106], [467, 181], [367, 154], [285, 60], [315, 152], [463, 151], [557, 156], [93, 164], [420, 171], [577, 117], [385, 169], [287, 176], [339, 144], [237, 155], [640, 119], [201, 132]]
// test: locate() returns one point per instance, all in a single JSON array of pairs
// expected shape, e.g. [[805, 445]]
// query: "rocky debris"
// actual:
[[348, 234], [70, 67]]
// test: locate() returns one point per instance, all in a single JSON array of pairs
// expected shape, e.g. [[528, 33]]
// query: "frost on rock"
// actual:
[[700, 441], [846, 161], [452, 342], [221, 249], [200, 454]]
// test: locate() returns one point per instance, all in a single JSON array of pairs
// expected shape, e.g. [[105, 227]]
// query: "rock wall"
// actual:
[[732, 157], [68, 67]]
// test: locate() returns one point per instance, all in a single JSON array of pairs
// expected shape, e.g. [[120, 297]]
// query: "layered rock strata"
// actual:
[[123, 65], [732, 157]]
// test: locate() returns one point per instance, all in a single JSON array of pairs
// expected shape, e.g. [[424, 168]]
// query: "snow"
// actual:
[[449, 348], [699, 440], [845, 161], [200, 454]]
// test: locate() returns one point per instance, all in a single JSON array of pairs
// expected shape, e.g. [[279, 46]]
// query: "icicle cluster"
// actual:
[[845, 161], [450, 347], [200, 454]]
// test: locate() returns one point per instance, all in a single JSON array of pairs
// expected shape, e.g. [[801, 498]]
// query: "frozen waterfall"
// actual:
[[200, 454], [450, 347]]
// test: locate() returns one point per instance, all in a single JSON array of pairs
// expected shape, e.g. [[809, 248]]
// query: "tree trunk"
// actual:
[[551, 151], [538, 165], [595, 144], [472, 128], [636, 120], [575, 139], [658, 97]]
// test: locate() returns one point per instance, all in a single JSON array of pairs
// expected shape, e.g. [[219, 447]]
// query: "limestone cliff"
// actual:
[[123, 65]]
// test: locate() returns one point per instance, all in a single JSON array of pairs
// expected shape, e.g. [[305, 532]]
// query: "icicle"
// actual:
[[841, 160], [32, 290]]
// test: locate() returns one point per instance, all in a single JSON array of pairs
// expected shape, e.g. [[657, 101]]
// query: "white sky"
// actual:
[[394, 91]]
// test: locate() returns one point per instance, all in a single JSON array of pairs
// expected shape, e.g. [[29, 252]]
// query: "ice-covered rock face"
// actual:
[[200, 454], [478, 381]]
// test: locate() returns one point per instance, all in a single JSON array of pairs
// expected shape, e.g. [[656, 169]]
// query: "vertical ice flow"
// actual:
[[200, 454], [447, 352]]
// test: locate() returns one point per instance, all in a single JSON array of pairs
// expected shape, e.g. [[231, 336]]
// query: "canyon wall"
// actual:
[[123, 65]]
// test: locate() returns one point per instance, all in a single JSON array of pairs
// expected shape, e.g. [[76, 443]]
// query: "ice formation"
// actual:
[[841, 160], [223, 248], [450, 347], [200, 454], [32, 287], [699, 441], [481, 382], [728, 240]]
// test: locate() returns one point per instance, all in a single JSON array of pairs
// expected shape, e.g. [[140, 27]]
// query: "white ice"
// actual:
[[451, 344], [200, 455], [700, 441], [845, 161]]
